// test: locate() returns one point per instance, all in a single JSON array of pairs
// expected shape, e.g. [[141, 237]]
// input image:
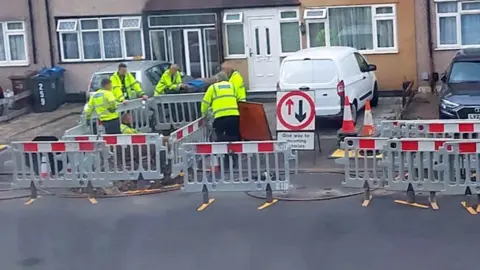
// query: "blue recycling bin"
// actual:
[[57, 73]]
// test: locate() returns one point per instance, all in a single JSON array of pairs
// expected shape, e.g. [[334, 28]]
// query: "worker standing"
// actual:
[[171, 81], [125, 86], [223, 98], [236, 79], [105, 104]]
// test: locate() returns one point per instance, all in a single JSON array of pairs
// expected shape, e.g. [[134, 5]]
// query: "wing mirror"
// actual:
[[444, 78], [372, 67]]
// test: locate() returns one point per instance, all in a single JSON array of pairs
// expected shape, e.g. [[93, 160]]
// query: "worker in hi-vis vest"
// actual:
[[222, 98], [126, 126], [125, 86], [170, 82], [236, 79], [104, 103]]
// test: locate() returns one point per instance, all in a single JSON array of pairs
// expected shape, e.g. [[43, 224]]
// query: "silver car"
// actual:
[[146, 72]]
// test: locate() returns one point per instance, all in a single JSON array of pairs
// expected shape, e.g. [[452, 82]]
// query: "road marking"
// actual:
[[478, 208], [469, 209], [434, 205], [412, 204], [29, 201], [205, 205], [366, 202], [340, 153], [2, 146], [92, 200], [267, 204]]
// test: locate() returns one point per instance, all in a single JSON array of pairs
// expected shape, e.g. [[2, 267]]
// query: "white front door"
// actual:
[[264, 53]]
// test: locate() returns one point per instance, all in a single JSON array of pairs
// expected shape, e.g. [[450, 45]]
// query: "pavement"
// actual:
[[166, 232]]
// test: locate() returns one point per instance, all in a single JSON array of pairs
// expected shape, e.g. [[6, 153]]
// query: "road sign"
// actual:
[[295, 111], [298, 140]]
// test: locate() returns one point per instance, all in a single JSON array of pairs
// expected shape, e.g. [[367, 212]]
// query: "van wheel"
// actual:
[[374, 101], [353, 108]]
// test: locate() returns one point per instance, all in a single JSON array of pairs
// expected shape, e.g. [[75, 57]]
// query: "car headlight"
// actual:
[[446, 104]]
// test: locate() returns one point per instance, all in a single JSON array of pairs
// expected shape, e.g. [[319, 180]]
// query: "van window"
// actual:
[[309, 71], [97, 80], [362, 63]]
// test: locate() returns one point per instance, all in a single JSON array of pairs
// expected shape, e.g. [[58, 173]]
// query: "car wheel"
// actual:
[[374, 101], [353, 108]]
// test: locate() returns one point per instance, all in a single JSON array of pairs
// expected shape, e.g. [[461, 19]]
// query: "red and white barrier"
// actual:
[[57, 147], [236, 147]]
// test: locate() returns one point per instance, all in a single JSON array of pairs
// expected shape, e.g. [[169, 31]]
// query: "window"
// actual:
[[99, 39], [458, 23], [179, 20], [289, 31], [367, 28], [154, 73], [319, 71], [13, 49], [234, 34], [362, 63], [463, 72]]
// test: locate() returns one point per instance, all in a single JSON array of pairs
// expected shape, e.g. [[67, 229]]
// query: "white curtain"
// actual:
[[158, 45], [3, 57], [470, 29], [70, 45], [290, 36], [17, 47], [112, 43], [91, 45], [385, 34], [351, 26], [448, 30], [133, 42], [235, 41]]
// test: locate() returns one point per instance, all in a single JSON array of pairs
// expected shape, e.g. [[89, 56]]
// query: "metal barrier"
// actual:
[[454, 129], [195, 132], [64, 164], [131, 157], [175, 110], [237, 166], [361, 161]]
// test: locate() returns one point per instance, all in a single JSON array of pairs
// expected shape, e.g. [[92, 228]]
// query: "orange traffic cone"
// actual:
[[44, 168], [348, 126], [368, 128]]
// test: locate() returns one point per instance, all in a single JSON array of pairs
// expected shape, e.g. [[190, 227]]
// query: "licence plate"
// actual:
[[474, 116]]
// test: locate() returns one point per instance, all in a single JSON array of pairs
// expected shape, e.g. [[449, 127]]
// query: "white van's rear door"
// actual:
[[319, 75]]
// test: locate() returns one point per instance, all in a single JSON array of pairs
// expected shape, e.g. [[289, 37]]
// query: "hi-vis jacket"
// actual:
[[132, 89], [237, 80], [127, 130], [105, 105], [223, 98], [168, 82]]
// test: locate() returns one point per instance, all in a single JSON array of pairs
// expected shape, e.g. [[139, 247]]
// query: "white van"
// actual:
[[332, 72]]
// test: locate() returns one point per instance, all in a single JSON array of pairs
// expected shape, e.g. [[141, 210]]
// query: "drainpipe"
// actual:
[[32, 32], [49, 32], [433, 78]]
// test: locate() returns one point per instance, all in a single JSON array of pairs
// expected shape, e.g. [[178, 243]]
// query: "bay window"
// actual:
[[366, 28], [100, 39]]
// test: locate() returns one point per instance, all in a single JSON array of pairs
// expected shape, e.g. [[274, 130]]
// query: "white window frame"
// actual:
[[78, 31], [288, 20], [457, 15], [6, 44], [375, 18], [307, 17], [235, 22]]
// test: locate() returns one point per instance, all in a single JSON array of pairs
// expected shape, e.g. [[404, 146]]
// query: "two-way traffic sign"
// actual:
[[295, 111], [296, 119]]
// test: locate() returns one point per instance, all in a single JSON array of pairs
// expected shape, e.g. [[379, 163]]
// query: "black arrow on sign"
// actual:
[[300, 116]]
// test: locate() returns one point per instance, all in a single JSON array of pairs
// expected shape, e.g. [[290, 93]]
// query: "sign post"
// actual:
[[296, 119]]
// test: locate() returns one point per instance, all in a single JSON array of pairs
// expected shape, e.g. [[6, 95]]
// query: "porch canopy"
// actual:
[[159, 5]]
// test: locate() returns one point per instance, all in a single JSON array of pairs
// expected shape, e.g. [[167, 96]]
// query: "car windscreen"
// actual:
[[97, 80], [308, 71], [465, 72]]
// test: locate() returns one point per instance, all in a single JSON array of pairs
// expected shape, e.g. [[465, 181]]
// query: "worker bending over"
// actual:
[[236, 79], [104, 103], [171, 81], [125, 86], [223, 98]]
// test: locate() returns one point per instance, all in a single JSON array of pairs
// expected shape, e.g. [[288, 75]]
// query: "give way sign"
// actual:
[[295, 111]]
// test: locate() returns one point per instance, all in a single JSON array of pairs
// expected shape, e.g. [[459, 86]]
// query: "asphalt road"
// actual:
[[166, 232]]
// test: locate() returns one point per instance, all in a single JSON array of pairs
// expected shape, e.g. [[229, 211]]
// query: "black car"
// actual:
[[460, 94]]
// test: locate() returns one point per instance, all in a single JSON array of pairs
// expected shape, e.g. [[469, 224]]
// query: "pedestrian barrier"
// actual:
[[65, 164], [196, 132], [455, 129], [237, 166], [175, 110], [360, 171], [131, 157]]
